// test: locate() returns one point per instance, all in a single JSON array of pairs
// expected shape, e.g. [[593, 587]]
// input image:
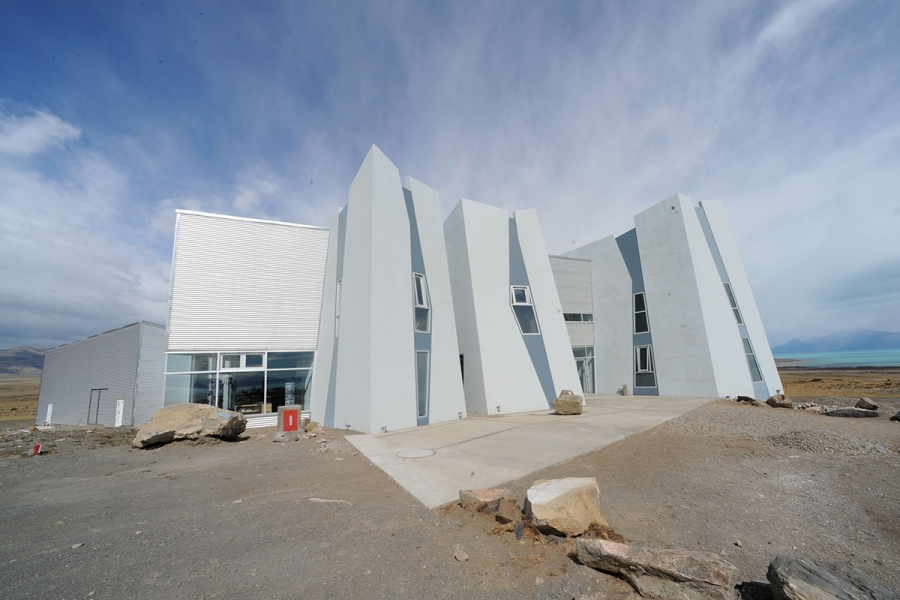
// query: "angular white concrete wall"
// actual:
[[546, 303], [325, 364], [499, 371], [740, 286], [613, 338], [696, 343], [376, 380], [446, 398]]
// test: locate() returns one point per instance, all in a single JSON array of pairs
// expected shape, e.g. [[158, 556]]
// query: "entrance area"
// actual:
[[584, 363]]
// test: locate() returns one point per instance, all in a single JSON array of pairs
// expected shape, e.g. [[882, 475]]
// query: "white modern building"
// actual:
[[389, 318], [671, 309], [113, 379]]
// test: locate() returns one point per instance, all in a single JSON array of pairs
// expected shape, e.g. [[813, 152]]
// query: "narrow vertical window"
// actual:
[[422, 383], [420, 300], [337, 309], [641, 324], [644, 375], [734, 306], [523, 307], [755, 373]]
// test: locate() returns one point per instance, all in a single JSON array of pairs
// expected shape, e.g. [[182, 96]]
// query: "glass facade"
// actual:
[[246, 382]]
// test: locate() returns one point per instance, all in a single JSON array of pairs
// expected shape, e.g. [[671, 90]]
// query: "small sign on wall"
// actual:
[[289, 393]]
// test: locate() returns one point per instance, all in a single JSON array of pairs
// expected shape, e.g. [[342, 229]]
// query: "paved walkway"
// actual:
[[434, 462]]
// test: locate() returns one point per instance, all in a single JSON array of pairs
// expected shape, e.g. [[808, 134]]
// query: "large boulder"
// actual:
[[662, 573], [568, 403], [500, 503], [189, 422], [780, 401], [851, 411], [866, 404], [567, 506], [803, 579]]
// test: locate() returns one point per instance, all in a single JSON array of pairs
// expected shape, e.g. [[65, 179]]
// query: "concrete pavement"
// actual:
[[434, 462]]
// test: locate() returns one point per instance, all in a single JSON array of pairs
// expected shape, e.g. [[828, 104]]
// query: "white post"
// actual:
[[49, 413], [120, 411]]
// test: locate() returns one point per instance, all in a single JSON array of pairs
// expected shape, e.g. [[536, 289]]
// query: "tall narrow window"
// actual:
[[337, 308], [644, 375], [755, 373], [734, 306], [422, 383], [641, 324], [420, 299], [523, 307]]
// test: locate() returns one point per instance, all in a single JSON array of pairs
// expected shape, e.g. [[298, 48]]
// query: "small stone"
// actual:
[[500, 503], [74, 546], [779, 401], [866, 404], [279, 438], [460, 554], [538, 580], [520, 530], [743, 399], [896, 417], [738, 543]]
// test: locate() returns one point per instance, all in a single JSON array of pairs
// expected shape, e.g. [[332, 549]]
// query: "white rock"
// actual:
[[567, 506]]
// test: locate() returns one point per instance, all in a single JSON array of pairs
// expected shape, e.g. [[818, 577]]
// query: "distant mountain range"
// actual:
[[863, 339], [22, 361]]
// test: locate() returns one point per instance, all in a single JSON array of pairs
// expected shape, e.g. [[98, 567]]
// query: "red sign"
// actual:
[[291, 420]]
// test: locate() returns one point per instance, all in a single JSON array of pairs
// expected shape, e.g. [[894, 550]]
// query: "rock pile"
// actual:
[[499, 503], [189, 422], [780, 401]]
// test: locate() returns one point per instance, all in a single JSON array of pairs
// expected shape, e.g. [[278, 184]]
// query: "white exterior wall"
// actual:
[[613, 326], [446, 400], [478, 253], [696, 343], [325, 349], [740, 286], [376, 383], [546, 303], [108, 360], [573, 283], [244, 284], [150, 386]]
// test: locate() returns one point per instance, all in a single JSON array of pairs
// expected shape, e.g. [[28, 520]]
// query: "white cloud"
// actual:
[[32, 134]]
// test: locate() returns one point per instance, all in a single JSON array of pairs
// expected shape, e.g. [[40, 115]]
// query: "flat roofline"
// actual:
[[110, 331], [248, 219]]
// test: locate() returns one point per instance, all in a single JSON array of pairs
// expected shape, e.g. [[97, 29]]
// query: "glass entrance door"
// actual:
[[584, 363]]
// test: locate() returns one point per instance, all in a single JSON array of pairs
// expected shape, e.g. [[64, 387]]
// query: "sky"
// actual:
[[115, 114]]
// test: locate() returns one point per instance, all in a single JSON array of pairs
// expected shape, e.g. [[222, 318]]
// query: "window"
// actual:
[[337, 308], [520, 297], [578, 317], [644, 375], [231, 361], [187, 363], [734, 306], [641, 324], [420, 300], [422, 383], [755, 373]]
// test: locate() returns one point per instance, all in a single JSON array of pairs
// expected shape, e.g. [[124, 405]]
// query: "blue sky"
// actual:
[[114, 114]]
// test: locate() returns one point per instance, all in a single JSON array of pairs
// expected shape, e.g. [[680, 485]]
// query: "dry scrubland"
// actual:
[[19, 398], [255, 519]]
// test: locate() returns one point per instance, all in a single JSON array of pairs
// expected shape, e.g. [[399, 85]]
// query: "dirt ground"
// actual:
[[257, 519], [18, 399]]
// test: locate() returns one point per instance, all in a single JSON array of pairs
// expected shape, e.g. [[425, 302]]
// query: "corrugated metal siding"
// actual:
[[573, 283], [70, 372], [581, 334], [150, 378], [245, 285]]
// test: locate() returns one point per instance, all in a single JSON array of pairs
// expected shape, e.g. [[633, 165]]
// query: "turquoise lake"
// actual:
[[854, 358]]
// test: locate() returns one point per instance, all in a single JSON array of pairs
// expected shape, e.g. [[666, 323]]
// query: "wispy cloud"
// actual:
[[31, 134]]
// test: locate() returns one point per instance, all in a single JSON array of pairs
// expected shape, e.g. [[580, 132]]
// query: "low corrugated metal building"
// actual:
[[113, 379]]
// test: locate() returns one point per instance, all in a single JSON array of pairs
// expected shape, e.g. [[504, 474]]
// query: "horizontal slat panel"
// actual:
[[245, 285], [581, 334], [573, 282]]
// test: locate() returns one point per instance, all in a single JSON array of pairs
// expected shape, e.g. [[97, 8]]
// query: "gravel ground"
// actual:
[[313, 519]]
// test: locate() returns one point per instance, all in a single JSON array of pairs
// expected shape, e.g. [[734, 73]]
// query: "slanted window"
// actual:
[[644, 375], [520, 298], [422, 383], [755, 373], [734, 306], [420, 299], [641, 324], [337, 308]]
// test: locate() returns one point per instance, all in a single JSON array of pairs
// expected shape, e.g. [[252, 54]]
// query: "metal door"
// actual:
[[94, 405]]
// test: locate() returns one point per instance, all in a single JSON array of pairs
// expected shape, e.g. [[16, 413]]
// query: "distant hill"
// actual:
[[21, 361], [863, 339]]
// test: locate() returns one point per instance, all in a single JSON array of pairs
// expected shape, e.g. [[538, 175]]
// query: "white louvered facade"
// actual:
[[573, 282], [245, 284]]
